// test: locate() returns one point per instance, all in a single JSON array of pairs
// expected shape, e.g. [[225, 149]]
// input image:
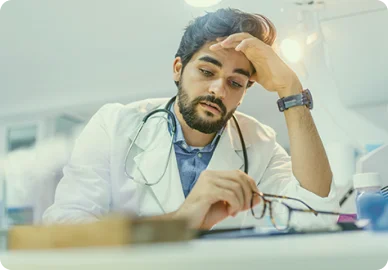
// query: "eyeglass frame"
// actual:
[[291, 209]]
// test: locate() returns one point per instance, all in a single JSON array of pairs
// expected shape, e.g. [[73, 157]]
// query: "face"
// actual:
[[211, 87]]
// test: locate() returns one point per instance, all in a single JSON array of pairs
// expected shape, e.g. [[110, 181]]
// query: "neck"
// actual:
[[192, 137]]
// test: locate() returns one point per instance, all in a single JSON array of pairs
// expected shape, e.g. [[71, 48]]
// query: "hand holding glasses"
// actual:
[[280, 212]]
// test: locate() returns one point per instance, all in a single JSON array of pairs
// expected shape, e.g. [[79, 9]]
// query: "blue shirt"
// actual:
[[191, 160]]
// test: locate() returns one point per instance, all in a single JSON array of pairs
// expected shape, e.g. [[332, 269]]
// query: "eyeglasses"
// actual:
[[280, 212]]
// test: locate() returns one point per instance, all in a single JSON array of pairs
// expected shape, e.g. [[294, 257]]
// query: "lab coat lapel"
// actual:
[[225, 156], [152, 163]]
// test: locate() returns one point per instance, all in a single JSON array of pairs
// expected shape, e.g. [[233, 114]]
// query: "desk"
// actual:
[[349, 250]]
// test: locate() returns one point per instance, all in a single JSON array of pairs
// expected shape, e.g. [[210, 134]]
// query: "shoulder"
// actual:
[[137, 107], [120, 117], [131, 111]]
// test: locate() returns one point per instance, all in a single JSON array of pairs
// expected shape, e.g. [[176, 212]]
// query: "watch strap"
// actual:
[[302, 99]]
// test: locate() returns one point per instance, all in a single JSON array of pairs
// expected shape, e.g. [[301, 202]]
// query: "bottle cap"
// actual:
[[363, 180]]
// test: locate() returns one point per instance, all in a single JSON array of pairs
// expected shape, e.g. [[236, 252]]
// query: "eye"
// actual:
[[235, 84], [206, 72]]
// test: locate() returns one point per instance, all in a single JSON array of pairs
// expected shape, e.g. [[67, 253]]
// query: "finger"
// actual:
[[247, 43], [234, 175], [220, 45], [256, 199], [242, 45], [237, 37], [253, 184], [215, 47], [244, 181], [251, 187], [231, 212], [229, 197], [234, 187], [221, 38]]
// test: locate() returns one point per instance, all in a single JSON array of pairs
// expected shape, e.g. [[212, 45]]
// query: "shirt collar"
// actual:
[[179, 138]]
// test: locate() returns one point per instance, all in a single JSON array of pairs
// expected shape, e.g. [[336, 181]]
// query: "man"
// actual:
[[220, 56]]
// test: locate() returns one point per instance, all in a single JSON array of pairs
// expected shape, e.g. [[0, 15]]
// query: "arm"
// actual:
[[310, 164], [309, 161], [83, 194]]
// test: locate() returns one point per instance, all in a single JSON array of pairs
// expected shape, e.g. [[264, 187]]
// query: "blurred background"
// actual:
[[60, 61]]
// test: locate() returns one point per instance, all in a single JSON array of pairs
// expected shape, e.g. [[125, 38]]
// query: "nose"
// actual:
[[218, 89]]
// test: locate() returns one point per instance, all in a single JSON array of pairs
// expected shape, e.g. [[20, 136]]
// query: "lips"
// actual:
[[210, 104]]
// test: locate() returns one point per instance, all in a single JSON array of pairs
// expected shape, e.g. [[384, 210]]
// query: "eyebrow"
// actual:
[[218, 64]]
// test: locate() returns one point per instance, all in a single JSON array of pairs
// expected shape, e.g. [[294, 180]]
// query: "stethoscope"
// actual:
[[172, 124]]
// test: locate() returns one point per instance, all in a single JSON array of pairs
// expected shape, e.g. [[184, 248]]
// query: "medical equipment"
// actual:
[[367, 186], [374, 161], [172, 124]]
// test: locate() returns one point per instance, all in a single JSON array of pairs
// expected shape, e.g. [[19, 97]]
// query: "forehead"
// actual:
[[229, 58]]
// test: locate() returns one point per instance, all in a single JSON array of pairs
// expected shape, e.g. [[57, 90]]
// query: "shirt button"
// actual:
[[199, 155], [184, 145]]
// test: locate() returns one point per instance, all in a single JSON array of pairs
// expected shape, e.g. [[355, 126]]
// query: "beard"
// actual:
[[188, 109]]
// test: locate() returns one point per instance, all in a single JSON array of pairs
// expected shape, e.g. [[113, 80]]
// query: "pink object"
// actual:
[[347, 218]]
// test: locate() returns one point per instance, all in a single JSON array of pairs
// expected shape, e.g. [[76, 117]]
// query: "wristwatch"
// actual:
[[302, 99]]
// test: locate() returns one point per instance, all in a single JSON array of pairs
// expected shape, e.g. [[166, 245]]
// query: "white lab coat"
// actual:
[[95, 184]]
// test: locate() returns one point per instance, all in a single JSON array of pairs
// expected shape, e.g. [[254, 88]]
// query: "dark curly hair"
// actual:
[[221, 23]]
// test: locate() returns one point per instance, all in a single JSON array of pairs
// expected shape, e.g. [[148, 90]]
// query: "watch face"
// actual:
[[309, 98], [281, 105]]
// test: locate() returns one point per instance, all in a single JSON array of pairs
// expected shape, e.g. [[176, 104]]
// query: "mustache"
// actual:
[[211, 99]]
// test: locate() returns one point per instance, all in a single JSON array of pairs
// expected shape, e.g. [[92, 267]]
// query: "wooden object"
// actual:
[[112, 231]]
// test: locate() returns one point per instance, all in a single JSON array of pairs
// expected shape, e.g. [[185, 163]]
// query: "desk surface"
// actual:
[[350, 250]]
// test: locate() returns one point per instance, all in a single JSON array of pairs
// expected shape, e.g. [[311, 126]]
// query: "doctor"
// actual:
[[220, 56]]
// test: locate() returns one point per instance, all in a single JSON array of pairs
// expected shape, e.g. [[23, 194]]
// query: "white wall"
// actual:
[[335, 69], [3, 142], [326, 62], [339, 123]]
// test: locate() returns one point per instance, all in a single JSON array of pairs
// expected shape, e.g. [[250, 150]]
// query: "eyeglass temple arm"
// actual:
[[290, 198], [318, 212]]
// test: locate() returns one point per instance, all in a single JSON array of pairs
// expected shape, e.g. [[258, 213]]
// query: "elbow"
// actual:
[[321, 186], [325, 185], [324, 193]]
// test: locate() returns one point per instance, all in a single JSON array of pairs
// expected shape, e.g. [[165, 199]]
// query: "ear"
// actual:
[[176, 69]]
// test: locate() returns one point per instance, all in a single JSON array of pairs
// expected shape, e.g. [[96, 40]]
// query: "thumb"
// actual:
[[256, 199]]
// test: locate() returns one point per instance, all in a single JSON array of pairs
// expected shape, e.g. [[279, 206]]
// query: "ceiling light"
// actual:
[[202, 3], [312, 38], [292, 50]]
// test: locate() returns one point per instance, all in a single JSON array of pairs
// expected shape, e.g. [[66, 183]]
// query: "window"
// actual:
[[21, 137]]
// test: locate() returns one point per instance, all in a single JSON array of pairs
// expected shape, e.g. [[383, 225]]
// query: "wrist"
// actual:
[[293, 88], [178, 214], [184, 213]]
